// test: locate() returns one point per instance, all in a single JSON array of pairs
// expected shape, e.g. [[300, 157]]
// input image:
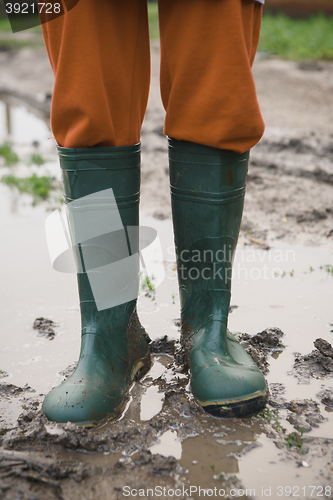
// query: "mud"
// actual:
[[289, 193], [317, 364], [25, 475], [27, 472], [261, 345], [163, 439], [44, 460], [45, 327], [326, 397], [304, 414]]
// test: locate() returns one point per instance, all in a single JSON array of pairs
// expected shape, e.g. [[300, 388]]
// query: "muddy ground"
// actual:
[[44, 460], [289, 199]]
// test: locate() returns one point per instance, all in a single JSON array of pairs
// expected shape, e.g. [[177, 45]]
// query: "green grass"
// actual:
[[5, 24], [38, 187], [36, 159], [298, 39], [295, 439], [272, 417], [147, 285], [153, 20], [9, 156], [328, 268], [10, 41]]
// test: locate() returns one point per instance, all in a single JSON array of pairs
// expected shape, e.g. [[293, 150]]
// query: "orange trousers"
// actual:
[[100, 55]]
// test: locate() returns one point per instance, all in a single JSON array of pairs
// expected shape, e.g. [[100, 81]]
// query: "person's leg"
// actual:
[[207, 87], [212, 119], [99, 52], [100, 56]]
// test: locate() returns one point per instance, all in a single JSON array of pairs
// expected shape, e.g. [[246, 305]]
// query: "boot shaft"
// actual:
[[207, 195], [89, 171]]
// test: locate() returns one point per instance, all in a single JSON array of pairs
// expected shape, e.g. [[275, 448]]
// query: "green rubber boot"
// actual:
[[207, 194], [114, 349]]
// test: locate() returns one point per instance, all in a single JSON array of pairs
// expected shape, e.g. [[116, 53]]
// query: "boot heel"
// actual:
[[142, 368]]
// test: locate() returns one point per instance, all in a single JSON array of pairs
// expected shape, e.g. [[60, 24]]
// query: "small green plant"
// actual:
[[227, 478], [36, 159], [147, 285], [38, 187], [328, 268], [7, 153], [311, 270], [272, 417], [285, 273], [295, 439], [266, 415]]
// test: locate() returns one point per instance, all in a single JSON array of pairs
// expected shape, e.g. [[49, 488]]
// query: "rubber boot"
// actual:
[[114, 349], [207, 194]]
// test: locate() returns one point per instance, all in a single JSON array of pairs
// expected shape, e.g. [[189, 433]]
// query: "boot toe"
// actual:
[[79, 403], [226, 388]]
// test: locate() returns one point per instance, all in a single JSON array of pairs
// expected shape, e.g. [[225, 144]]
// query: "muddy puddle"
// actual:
[[286, 288], [20, 125], [281, 304]]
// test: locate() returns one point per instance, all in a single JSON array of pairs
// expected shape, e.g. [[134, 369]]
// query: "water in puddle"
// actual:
[[22, 126], [283, 287], [168, 445]]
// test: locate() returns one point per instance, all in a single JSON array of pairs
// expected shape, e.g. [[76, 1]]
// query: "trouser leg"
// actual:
[[207, 86], [114, 349], [99, 52], [213, 119]]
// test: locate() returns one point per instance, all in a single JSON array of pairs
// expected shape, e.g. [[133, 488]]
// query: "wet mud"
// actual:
[[44, 460], [45, 327], [261, 345], [163, 439], [317, 364], [25, 475]]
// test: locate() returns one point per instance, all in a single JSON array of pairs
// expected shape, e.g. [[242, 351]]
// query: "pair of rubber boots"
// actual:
[[207, 192]]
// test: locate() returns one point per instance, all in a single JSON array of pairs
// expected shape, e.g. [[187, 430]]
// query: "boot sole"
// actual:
[[242, 408], [140, 369]]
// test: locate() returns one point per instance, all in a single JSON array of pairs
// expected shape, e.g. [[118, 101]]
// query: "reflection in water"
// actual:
[[151, 403], [168, 445], [8, 119], [19, 125]]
